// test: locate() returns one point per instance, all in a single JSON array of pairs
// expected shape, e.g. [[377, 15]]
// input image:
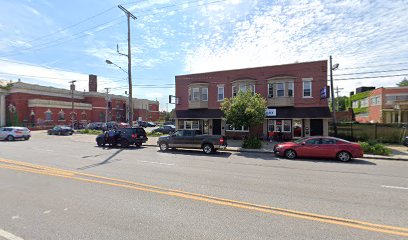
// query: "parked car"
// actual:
[[151, 124], [142, 124], [405, 142], [320, 147], [192, 139], [123, 137], [95, 126], [13, 133], [60, 130], [166, 129], [169, 123]]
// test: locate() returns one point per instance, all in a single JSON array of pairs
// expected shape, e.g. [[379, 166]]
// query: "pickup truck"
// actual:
[[192, 139]]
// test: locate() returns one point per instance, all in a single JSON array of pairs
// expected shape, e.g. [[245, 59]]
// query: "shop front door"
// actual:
[[316, 127], [216, 126], [297, 128]]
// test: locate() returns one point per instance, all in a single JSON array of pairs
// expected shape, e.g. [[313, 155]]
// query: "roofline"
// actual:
[[230, 70]]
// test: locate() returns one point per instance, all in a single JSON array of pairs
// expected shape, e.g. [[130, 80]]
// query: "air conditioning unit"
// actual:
[[270, 96]]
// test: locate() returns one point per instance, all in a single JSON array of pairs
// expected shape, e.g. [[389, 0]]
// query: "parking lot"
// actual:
[[355, 190]]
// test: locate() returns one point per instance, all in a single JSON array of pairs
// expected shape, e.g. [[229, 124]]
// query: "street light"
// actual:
[[332, 68], [130, 104]]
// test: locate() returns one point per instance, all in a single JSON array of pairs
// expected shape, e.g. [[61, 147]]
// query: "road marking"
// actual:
[[44, 170], [168, 164], [396, 187], [46, 212], [9, 236]]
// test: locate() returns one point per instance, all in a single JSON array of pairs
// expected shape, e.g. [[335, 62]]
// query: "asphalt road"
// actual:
[[64, 187]]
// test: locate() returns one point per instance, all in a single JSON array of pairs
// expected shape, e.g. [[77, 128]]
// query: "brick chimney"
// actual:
[[93, 83]]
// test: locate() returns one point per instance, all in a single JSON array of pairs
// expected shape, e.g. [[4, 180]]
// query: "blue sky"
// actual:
[[52, 42]]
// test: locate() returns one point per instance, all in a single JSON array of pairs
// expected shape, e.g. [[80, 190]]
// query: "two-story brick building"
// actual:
[[34, 105], [292, 92], [381, 105]]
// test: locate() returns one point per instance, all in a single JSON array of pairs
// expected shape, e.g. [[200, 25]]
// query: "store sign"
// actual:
[[270, 112], [324, 92]]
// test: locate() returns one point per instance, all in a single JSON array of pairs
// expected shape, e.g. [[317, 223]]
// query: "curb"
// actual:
[[265, 152]]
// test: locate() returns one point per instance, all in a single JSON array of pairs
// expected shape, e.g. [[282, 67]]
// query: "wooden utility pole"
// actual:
[[129, 55]]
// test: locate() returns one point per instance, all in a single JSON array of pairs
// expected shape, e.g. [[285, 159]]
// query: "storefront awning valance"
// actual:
[[301, 112], [199, 113]]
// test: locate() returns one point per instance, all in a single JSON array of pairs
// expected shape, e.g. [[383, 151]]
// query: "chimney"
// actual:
[[93, 83]]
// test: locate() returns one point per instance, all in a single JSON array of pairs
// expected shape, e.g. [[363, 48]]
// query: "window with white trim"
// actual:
[[204, 94], [196, 94], [290, 89], [270, 90], [280, 89], [279, 126], [234, 91], [307, 88], [220, 95], [231, 128], [191, 124], [364, 102]]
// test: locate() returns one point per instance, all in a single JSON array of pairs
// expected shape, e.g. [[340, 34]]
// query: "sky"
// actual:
[[53, 42]]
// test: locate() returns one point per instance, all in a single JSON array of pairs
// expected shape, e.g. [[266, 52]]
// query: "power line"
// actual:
[[384, 76], [382, 65], [396, 70]]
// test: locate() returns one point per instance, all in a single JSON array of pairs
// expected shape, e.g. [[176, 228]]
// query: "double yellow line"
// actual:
[[38, 169]]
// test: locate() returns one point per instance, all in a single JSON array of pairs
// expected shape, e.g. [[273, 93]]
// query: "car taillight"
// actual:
[[134, 135], [221, 140]]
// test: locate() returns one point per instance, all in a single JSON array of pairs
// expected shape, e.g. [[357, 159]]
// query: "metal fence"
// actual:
[[386, 133]]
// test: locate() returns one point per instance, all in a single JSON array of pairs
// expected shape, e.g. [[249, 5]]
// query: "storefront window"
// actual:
[[286, 126], [279, 126], [189, 124], [230, 127]]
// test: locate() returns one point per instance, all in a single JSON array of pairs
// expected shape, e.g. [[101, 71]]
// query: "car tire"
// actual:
[[163, 146], [100, 142], [343, 156], [26, 138], [208, 148], [138, 144], [10, 138], [124, 143], [290, 154]]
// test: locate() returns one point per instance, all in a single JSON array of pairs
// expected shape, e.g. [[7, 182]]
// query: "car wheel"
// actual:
[[10, 138], [163, 146], [138, 144], [124, 143], [343, 156], [208, 148], [290, 154], [100, 142], [26, 138]]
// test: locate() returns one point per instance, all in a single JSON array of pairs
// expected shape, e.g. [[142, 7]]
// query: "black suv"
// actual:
[[123, 137]]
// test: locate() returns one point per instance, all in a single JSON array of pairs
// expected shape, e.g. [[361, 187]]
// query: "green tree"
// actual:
[[245, 109], [403, 83]]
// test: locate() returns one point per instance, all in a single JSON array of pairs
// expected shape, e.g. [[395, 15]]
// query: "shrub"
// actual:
[[375, 148], [252, 142], [90, 132], [154, 134]]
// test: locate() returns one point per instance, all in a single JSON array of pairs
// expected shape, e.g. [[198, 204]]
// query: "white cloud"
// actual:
[[354, 32]]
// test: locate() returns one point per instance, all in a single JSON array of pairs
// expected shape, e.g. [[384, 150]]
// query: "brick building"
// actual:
[[292, 92], [381, 105], [36, 106]]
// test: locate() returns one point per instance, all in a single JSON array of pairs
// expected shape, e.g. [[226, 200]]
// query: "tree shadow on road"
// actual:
[[108, 160], [272, 157]]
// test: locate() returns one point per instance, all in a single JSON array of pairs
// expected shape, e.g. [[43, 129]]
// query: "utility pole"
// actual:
[[72, 102], [332, 97], [107, 105], [337, 94], [129, 55]]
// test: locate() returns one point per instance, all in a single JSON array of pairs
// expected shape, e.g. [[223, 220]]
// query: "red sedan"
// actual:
[[322, 147]]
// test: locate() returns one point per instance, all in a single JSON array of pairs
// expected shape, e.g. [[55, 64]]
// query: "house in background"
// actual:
[[381, 105], [292, 92]]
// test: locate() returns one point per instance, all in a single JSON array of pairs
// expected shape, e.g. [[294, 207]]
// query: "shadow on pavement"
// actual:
[[271, 157], [197, 152], [108, 160]]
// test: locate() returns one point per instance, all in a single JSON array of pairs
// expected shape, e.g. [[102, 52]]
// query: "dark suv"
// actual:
[[123, 137]]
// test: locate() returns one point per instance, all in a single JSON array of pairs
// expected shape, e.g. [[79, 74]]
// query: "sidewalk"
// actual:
[[399, 152]]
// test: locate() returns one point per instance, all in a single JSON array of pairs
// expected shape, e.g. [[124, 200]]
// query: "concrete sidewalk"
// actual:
[[399, 152]]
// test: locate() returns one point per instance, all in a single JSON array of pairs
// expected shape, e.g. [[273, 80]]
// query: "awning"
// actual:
[[301, 112], [199, 113]]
